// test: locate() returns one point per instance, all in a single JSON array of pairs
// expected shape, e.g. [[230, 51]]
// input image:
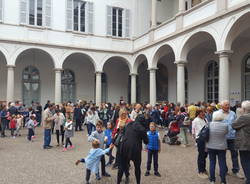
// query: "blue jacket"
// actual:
[[108, 134], [93, 159], [153, 140], [156, 116], [3, 114], [231, 117]]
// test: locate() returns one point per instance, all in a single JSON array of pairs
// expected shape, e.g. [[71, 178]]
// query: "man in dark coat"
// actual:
[[131, 147]]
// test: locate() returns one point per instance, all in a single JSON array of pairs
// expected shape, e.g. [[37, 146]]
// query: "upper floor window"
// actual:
[[80, 16], [1, 10], [35, 12], [118, 22], [188, 4]]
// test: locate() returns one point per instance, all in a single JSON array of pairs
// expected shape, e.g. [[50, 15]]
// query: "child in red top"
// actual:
[[13, 125]]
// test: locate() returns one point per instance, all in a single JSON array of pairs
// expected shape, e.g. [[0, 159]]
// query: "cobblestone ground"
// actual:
[[23, 162]]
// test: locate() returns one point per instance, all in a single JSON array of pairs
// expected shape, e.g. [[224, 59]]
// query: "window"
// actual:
[[31, 85], [68, 86], [1, 10], [188, 4], [35, 12], [247, 78], [118, 20], [212, 81], [80, 16]]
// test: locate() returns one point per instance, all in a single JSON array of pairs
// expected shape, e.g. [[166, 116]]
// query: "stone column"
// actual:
[[181, 82], [10, 83], [58, 85], [152, 85], [133, 88], [153, 13], [98, 92], [224, 74], [181, 6]]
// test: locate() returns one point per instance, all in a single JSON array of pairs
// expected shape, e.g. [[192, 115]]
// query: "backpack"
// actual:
[[204, 134]]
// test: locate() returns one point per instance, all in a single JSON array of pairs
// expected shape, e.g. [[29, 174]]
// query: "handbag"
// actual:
[[204, 134]]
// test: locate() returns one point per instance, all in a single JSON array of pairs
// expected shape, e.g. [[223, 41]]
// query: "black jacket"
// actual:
[[135, 133]]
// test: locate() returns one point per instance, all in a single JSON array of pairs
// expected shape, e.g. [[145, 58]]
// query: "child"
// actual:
[[13, 125], [99, 135], [154, 146], [19, 122], [108, 140], [68, 134], [31, 126], [93, 159]]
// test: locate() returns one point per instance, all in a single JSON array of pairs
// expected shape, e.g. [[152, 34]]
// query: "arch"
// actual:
[[246, 77], [22, 50], [194, 39], [138, 60], [123, 59], [5, 54], [232, 30], [70, 53], [159, 52]]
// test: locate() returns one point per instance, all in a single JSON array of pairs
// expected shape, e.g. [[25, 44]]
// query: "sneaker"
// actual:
[[106, 175], [212, 182], [98, 177], [203, 175], [72, 147], [157, 174], [64, 149], [147, 173], [238, 175]]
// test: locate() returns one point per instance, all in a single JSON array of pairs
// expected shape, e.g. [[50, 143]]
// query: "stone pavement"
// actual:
[[23, 162]]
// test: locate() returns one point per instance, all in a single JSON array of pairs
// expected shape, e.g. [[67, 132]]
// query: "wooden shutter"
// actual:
[[69, 15], [23, 11], [127, 23], [48, 12], [90, 19], [109, 21]]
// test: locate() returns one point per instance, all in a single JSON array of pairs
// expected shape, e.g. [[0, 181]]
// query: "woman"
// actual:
[[59, 122], [217, 146], [92, 117], [198, 123], [118, 129]]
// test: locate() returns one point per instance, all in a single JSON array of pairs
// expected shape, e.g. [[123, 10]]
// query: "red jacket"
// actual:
[[116, 129], [12, 123]]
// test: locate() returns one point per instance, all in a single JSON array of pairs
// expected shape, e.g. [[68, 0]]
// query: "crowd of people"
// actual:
[[132, 128]]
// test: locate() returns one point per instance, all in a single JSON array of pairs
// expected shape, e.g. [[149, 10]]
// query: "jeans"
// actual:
[[90, 128], [30, 133], [68, 142], [47, 137], [4, 123], [245, 162], [154, 154], [202, 155], [111, 158], [183, 135], [78, 125], [221, 154], [234, 156]]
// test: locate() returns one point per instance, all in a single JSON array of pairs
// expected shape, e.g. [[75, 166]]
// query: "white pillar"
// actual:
[[181, 82], [133, 88], [153, 13], [10, 83], [98, 92], [152, 85], [181, 6], [224, 74], [58, 86]]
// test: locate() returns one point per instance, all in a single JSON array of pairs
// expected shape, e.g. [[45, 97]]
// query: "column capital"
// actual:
[[181, 62], [58, 69], [98, 72], [224, 53], [11, 66], [152, 69], [133, 74]]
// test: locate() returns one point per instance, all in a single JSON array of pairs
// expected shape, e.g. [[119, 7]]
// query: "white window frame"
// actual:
[[79, 16], [35, 13], [2, 10], [188, 4], [117, 22]]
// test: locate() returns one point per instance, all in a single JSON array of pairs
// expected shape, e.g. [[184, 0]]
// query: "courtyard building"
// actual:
[[141, 50]]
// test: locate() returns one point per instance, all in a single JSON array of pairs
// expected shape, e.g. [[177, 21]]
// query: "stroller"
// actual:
[[171, 137]]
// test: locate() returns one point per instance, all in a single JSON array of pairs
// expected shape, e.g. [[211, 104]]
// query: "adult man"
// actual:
[[131, 147], [78, 117], [230, 117], [4, 121], [47, 124], [242, 143]]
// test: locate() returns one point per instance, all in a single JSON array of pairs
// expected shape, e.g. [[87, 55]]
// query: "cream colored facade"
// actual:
[[148, 65]]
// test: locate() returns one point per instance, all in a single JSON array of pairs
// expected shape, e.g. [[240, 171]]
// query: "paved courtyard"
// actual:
[[24, 162]]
